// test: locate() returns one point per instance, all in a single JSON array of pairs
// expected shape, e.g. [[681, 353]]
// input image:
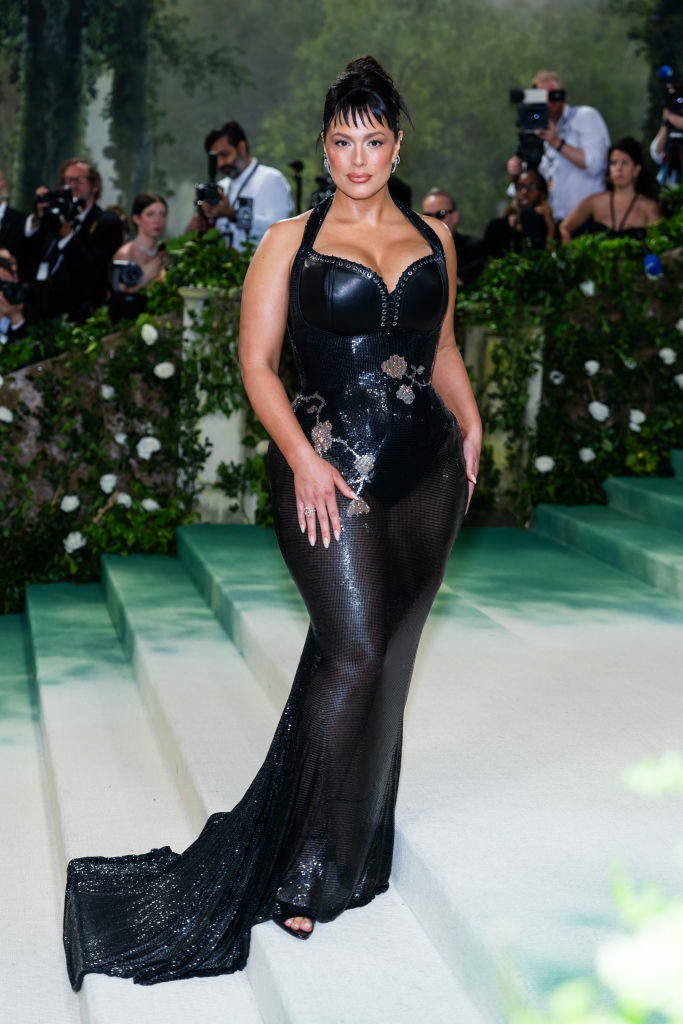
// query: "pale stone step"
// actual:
[[112, 792], [375, 966], [33, 982]]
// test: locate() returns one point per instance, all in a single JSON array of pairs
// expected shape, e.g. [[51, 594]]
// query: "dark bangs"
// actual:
[[361, 107]]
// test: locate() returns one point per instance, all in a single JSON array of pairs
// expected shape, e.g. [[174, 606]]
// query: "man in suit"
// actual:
[[470, 252], [11, 223], [70, 251]]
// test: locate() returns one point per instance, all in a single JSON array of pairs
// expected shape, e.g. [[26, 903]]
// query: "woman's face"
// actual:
[[622, 170], [152, 220], [528, 190], [361, 156]]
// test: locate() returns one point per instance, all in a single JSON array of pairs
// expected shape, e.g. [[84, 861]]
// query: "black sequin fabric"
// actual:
[[314, 833]]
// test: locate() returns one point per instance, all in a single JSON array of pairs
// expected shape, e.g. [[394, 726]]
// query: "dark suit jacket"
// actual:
[[12, 234], [77, 283]]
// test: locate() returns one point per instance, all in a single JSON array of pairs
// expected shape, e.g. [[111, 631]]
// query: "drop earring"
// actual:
[[396, 163], [326, 164]]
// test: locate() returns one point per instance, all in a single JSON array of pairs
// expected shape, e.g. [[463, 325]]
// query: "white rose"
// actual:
[[108, 483], [544, 463], [679, 379], [588, 288], [591, 366], [555, 377], [586, 454], [149, 334], [107, 391], [124, 499], [147, 446], [120, 438], [679, 325], [262, 447], [150, 505], [69, 503], [667, 355], [630, 364], [6, 415], [164, 370], [637, 416], [599, 411], [73, 541]]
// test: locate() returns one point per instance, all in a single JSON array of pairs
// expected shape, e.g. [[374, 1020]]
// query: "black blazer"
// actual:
[[77, 284], [12, 233]]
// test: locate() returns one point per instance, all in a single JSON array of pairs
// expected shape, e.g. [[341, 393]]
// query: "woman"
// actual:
[[371, 477], [149, 217], [529, 221], [625, 208]]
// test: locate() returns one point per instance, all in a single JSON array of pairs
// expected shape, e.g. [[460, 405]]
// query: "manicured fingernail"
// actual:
[[312, 540], [337, 535], [326, 542], [303, 527]]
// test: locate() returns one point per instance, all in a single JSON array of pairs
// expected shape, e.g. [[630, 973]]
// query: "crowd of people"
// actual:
[[69, 256]]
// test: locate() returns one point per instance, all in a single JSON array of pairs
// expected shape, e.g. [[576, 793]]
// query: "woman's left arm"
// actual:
[[449, 375]]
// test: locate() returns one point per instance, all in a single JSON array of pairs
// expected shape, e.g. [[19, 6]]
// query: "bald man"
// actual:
[[470, 252]]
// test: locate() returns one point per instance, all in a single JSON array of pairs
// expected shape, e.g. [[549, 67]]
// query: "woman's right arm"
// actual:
[[263, 320], [576, 219]]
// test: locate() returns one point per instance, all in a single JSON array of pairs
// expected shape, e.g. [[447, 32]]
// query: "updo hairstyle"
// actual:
[[364, 91], [145, 199]]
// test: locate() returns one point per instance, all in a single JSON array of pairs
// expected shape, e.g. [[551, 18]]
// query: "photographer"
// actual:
[[11, 223], [141, 261], [528, 223], [250, 196], [666, 149], [12, 301], [575, 148], [70, 241]]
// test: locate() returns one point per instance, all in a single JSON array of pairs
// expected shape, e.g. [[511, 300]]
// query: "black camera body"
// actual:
[[208, 191], [61, 206], [14, 292], [124, 272], [532, 114]]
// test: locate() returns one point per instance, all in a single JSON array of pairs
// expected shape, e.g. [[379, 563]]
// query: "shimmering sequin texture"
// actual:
[[314, 833]]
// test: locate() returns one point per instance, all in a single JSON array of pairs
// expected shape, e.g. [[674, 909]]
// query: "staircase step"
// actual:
[[677, 461], [650, 552], [384, 966], [655, 499], [32, 887], [112, 792], [506, 671]]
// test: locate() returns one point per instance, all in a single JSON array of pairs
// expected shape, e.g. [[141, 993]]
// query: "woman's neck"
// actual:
[[370, 210], [146, 243]]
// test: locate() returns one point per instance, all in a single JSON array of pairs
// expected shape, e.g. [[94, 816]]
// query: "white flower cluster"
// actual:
[[599, 411], [69, 503], [164, 370], [591, 366], [556, 377], [588, 288], [544, 463], [149, 334], [107, 391], [147, 446], [636, 417], [262, 447], [108, 483], [6, 415], [73, 541], [586, 454], [668, 356]]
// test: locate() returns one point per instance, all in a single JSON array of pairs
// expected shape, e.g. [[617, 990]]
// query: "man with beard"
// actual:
[[253, 196]]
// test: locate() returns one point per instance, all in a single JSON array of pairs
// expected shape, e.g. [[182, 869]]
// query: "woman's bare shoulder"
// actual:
[[441, 230], [286, 235]]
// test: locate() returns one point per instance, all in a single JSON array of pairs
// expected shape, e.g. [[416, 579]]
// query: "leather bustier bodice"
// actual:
[[365, 357]]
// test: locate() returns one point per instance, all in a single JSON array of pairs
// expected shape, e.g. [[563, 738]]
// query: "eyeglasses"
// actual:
[[81, 179], [527, 188], [440, 214]]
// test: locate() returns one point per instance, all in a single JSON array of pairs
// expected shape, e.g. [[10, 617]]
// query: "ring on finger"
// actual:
[[308, 512]]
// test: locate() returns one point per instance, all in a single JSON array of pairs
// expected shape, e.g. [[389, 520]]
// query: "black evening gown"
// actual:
[[314, 833]]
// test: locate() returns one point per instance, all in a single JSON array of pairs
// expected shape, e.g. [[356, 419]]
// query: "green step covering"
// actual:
[[650, 552], [677, 462], [657, 499], [15, 694]]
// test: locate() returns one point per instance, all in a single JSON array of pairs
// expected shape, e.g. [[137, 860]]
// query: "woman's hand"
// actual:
[[471, 446], [316, 483]]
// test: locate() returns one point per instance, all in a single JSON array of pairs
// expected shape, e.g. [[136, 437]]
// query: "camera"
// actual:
[[673, 94], [14, 292], [532, 114], [208, 191], [124, 272], [61, 206]]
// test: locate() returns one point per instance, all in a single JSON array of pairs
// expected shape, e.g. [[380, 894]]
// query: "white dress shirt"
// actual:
[[261, 195], [584, 128]]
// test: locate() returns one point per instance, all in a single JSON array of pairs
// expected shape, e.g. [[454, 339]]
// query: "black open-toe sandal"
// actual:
[[280, 919]]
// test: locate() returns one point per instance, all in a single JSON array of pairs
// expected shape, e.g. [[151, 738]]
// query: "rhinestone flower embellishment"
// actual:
[[406, 394], [364, 465], [358, 507], [394, 366], [321, 435]]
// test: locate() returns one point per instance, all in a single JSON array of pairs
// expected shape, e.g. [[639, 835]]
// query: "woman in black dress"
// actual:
[[372, 470]]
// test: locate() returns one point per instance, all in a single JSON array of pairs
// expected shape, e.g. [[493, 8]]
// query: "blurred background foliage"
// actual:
[[165, 72]]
